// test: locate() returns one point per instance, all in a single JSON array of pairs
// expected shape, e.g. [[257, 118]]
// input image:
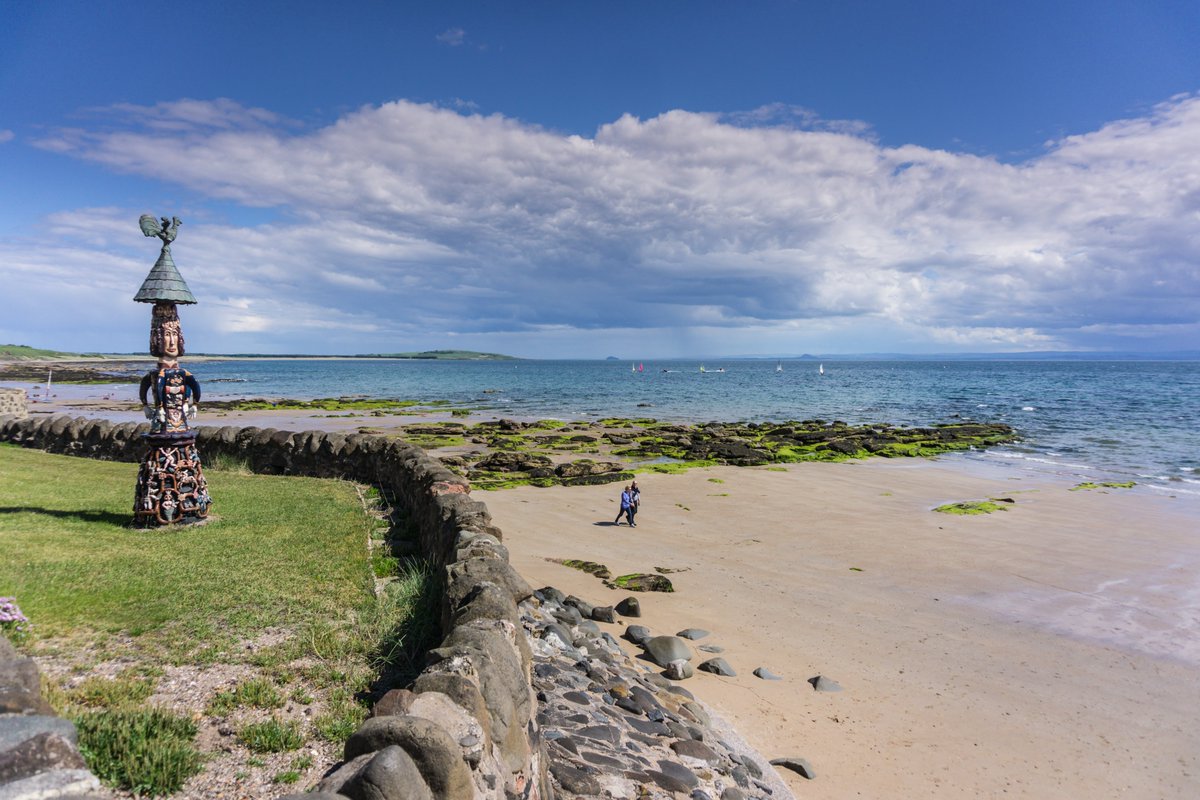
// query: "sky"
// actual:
[[586, 179]]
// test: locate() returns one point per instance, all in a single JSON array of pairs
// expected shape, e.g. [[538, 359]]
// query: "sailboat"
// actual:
[[779, 366], [702, 368], [641, 367], [821, 369]]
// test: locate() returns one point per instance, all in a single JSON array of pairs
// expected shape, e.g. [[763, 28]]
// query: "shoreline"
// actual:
[[1047, 650]]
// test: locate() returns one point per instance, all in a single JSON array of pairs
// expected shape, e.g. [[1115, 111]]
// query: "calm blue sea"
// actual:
[[1092, 419]]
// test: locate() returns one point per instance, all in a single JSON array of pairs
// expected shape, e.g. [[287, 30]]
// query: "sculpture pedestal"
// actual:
[[171, 489]]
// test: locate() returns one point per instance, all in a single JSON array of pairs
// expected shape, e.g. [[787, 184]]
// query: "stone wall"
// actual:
[[14, 402], [467, 729]]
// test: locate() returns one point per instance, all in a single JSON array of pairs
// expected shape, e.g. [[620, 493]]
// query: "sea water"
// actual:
[[1096, 420]]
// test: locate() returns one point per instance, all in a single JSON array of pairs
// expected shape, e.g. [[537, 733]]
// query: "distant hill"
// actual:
[[22, 352], [445, 355]]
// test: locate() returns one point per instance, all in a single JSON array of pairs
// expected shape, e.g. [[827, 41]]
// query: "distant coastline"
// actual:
[[18, 353], [10, 352]]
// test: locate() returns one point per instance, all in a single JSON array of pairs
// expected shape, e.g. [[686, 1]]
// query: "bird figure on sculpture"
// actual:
[[166, 230]]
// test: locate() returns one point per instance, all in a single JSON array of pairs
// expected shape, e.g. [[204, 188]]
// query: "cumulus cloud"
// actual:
[[408, 218]]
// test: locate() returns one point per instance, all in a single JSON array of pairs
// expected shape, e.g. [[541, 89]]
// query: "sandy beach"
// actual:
[[1048, 650]]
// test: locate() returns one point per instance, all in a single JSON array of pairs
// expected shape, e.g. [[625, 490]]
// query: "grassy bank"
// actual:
[[271, 608]]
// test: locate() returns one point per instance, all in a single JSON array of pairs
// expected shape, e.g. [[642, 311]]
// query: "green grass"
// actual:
[[123, 691], [284, 556], [280, 551], [271, 736], [21, 351], [254, 693], [147, 752]]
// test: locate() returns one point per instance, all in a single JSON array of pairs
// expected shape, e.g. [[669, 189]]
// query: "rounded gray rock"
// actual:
[[718, 666], [638, 634], [391, 773], [692, 633], [679, 670], [436, 755], [629, 607], [665, 649], [766, 674]]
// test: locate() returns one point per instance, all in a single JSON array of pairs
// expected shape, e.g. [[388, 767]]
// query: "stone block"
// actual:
[[391, 774], [58, 783], [437, 756], [20, 688], [42, 753], [16, 728]]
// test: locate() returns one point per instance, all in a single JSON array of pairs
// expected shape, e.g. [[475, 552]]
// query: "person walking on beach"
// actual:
[[635, 500], [626, 508]]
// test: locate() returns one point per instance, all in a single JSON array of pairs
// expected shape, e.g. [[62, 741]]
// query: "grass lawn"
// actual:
[[276, 594], [280, 551]]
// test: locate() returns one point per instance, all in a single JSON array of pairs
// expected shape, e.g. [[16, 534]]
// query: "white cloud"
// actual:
[[407, 220], [452, 36], [6, 135]]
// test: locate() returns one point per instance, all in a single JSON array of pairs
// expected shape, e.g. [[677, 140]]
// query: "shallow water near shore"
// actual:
[[1127, 420]]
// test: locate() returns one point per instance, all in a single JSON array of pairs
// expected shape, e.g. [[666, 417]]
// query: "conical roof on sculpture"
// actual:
[[164, 283]]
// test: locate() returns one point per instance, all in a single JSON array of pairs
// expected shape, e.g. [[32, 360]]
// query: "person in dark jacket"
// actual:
[[626, 509]]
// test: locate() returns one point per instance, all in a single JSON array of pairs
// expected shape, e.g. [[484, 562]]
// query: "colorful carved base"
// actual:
[[171, 489]]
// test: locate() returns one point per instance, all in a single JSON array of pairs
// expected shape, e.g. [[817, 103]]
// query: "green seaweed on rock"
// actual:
[[1104, 485], [641, 582], [590, 567], [970, 508]]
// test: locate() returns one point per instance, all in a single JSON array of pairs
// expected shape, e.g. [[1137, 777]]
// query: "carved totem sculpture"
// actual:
[[171, 489]]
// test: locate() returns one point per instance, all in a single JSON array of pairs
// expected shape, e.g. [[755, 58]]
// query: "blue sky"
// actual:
[[580, 179]]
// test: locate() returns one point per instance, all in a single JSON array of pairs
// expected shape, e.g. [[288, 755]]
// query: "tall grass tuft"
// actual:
[[272, 736], [146, 752]]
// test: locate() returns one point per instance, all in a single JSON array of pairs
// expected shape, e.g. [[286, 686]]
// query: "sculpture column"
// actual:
[[171, 489]]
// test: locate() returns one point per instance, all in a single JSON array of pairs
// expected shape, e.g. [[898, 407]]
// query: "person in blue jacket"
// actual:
[[626, 509]]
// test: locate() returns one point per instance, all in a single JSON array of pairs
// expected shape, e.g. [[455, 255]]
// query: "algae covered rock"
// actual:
[[641, 582]]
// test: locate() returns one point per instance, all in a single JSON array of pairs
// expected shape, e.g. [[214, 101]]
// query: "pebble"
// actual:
[[823, 684], [693, 633], [766, 674], [614, 729], [798, 765]]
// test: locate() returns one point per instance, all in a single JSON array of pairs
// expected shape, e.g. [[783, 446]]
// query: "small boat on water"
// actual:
[[779, 366], [702, 368], [821, 369]]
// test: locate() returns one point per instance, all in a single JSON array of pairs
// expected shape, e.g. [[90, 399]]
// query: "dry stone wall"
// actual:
[[13, 402], [467, 729]]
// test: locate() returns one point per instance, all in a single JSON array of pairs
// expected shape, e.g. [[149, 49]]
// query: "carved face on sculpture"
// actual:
[[166, 335], [171, 340]]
